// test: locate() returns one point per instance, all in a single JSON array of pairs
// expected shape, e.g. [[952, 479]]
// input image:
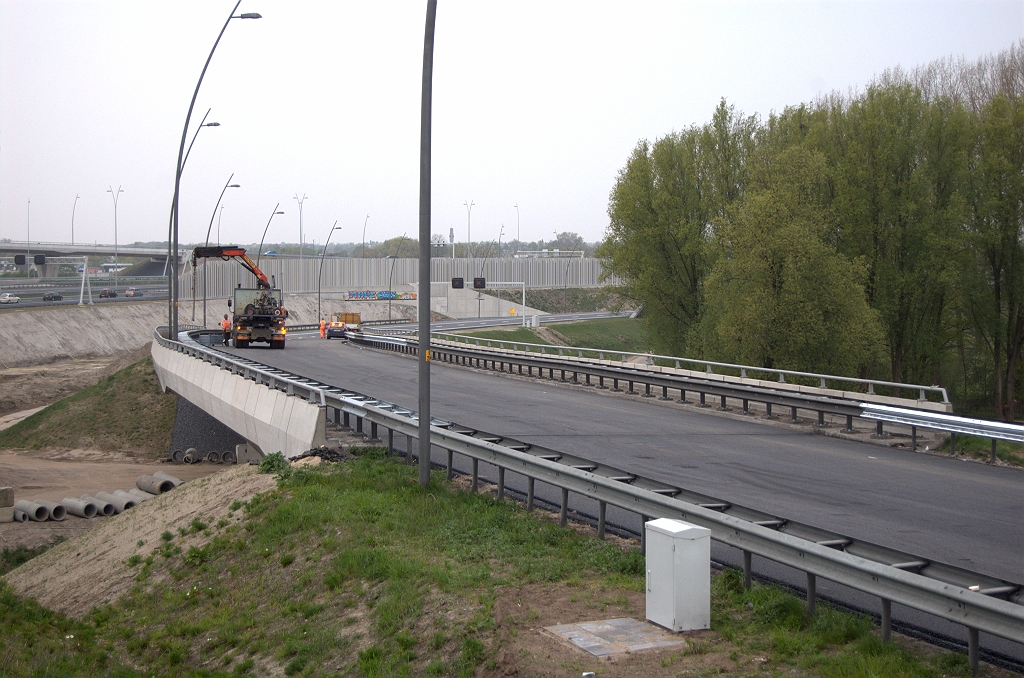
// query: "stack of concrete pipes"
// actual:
[[86, 506], [194, 456]]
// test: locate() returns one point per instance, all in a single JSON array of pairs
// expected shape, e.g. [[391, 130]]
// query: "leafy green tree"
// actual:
[[779, 295], [995, 284]]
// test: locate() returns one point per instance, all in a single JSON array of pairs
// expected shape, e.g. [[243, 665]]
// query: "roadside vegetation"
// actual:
[[607, 334], [566, 300], [874, 233], [351, 569], [125, 412]]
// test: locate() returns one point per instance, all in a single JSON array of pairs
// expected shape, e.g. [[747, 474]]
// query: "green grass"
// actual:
[[521, 334], [606, 334], [570, 300], [125, 411], [352, 569], [981, 448], [11, 558]]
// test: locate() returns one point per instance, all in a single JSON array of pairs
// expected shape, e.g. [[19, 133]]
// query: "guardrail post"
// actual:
[[682, 396], [972, 650], [849, 424], [821, 419], [879, 432], [647, 391], [664, 393], [812, 593], [451, 469], [615, 386], [501, 483], [992, 456], [886, 620], [703, 400], [746, 570], [794, 414], [359, 424], [722, 406], [476, 475], [530, 482], [913, 439], [391, 441], [746, 406], [373, 430], [563, 512], [408, 449], [643, 535], [768, 411], [602, 509], [952, 443], [345, 420]]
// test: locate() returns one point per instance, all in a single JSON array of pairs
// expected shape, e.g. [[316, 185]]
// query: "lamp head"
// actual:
[[234, 186], [250, 15], [212, 124]]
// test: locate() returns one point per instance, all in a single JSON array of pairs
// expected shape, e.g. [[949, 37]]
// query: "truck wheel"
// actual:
[[241, 343], [277, 344]]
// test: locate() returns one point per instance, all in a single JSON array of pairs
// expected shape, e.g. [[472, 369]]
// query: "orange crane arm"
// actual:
[[229, 252]]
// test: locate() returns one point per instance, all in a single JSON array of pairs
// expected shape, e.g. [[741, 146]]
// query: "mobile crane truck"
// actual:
[[257, 312]]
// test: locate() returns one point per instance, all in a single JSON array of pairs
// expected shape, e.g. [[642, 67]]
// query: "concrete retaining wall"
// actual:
[[270, 420]]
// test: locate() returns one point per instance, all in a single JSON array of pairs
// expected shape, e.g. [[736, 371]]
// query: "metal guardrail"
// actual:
[[705, 365], [988, 605]]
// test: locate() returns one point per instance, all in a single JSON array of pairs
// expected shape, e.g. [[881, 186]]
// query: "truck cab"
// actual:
[[257, 317]]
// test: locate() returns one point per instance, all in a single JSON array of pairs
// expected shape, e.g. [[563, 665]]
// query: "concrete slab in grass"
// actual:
[[615, 636]]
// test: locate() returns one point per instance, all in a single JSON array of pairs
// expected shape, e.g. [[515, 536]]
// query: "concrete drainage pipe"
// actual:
[[57, 511], [103, 508], [191, 456], [213, 457], [78, 507], [228, 457], [34, 511], [143, 496], [154, 485], [178, 456], [168, 476], [20, 516], [120, 503]]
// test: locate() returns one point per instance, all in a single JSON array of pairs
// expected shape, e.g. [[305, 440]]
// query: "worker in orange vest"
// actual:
[[323, 329], [226, 326]]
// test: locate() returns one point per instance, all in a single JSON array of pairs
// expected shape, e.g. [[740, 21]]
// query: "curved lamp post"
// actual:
[[320, 275], [170, 218], [362, 251], [272, 214], [75, 206], [208, 230], [115, 194], [173, 240], [517, 226], [394, 259], [469, 228]]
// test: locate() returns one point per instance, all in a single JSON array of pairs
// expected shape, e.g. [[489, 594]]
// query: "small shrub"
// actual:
[[274, 463], [167, 536]]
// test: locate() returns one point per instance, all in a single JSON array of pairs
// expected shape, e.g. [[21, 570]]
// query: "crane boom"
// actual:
[[232, 252]]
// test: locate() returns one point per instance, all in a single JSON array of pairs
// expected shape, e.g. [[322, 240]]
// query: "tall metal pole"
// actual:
[[28, 237], [219, 217], [172, 241], [209, 229], [469, 228], [320, 275], [115, 194], [272, 214], [362, 251], [302, 273], [73, 219], [423, 305], [517, 226]]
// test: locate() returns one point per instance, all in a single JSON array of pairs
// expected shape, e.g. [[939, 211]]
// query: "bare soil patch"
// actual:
[[56, 474], [91, 569]]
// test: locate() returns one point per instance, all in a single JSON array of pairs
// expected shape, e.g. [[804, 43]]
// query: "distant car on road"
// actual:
[[108, 294], [52, 296], [133, 292], [270, 253], [8, 298]]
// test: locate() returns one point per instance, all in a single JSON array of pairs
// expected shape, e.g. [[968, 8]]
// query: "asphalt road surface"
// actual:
[[962, 513]]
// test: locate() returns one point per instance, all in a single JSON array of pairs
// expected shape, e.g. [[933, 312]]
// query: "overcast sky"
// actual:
[[535, 103]]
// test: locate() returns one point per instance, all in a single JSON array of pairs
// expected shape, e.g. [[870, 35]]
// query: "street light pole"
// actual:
[[208, 230], [362, 251], [219, 217], [469, 228], [302, 273], [28, 237], [115, 195], [320, 275], [73, 219], [517, 227], [272, 214], [423, 302], [173, 239]]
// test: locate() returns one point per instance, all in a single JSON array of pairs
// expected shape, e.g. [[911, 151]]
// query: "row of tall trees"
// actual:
[[876, 234]]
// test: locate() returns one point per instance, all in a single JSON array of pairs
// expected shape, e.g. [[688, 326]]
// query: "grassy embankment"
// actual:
[[125, 412], [570, 300], [607, 334], [351, 569]]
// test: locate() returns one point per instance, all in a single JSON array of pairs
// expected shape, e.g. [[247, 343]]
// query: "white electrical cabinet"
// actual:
[[678, 575]]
